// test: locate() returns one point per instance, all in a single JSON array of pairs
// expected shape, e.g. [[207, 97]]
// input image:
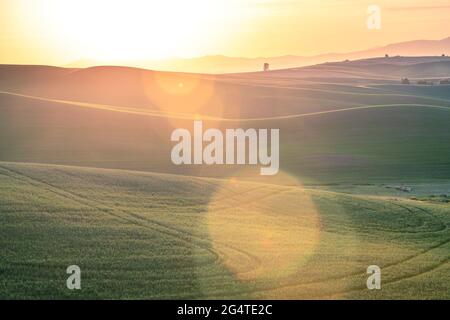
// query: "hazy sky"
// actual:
[[61, 31]]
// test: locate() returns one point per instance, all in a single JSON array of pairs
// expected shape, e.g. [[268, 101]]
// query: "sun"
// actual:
[[133, 29]]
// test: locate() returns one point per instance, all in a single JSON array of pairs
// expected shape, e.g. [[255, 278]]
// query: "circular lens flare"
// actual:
[[182, 96]]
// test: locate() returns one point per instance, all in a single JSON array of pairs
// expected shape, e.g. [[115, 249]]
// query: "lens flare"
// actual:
[[263, 231]]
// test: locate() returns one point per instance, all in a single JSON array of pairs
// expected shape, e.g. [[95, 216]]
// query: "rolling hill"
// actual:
[[146, 235], [339, 122], [86, 179]]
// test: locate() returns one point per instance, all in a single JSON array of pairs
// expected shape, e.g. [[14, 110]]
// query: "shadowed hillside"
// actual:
[[339, 122]]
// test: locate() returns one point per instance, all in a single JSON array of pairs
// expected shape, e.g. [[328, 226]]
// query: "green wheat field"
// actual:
[[86, 179]]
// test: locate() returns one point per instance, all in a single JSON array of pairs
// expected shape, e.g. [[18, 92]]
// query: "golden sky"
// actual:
[[61, 31]]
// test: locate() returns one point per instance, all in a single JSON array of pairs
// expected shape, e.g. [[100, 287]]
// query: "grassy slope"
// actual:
[[404, 143], [143, 235], [148, 235]]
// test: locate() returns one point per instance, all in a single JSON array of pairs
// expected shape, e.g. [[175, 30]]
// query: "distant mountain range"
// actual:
[[224, 64]]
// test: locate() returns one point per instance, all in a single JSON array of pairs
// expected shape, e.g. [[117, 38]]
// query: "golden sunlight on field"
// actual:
[[253, 239]]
